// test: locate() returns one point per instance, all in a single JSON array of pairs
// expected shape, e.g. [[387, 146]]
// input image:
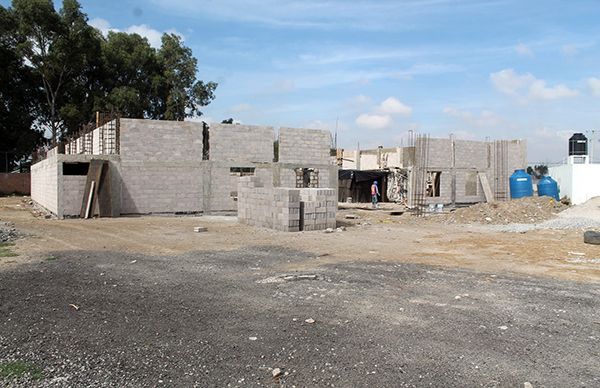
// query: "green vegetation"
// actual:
[[57, 70], [5, 250], [13, 369]]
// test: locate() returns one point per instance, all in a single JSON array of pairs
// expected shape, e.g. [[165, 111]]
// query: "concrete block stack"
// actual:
[[319, 208], [286, 209], [254, 202], [280, 208]]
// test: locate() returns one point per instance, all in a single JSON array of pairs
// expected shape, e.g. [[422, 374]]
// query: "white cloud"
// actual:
[[102, 24], [153, 36], [526, 87], [373, 121], [594, 85], [393, 106], [509, 82], [524, 50], [144, 30], [382, 116], [539, 90]]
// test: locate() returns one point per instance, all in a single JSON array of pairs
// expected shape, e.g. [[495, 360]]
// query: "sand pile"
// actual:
[[529, 210]]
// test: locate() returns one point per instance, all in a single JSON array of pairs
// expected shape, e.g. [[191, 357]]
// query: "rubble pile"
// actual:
[[528, 210], [7, 232]]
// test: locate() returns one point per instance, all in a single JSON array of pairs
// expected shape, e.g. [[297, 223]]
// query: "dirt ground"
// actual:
[[396, 301], [374, 236]]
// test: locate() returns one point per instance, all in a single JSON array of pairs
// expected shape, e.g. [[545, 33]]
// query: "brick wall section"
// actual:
[[242, 143], [45, 183], [15, 183], [305, 146], [73, 187], [279, 207]]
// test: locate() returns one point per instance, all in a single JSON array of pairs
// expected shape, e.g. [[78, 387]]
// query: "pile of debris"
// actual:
[[7, 232], [528, 210]]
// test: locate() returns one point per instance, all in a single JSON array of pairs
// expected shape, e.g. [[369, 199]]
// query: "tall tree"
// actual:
[[58, 46], [132, 75], [184, 94], [18, 97]]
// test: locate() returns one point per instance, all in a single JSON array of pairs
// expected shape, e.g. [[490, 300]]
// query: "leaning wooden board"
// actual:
[[97, 196]]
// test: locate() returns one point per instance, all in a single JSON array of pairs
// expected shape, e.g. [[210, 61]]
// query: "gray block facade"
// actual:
[[460, 161], [165, 167]]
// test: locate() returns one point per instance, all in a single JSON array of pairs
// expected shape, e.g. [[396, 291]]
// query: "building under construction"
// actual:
[[433, 171], [135, 166]]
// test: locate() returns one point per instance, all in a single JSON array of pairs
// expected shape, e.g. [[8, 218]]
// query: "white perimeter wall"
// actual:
[[578, 182]]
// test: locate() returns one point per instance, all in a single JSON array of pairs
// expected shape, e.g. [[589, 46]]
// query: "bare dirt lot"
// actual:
[[392, 301]]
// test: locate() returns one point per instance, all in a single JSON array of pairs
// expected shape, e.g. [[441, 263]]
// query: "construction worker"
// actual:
[[374, 194]]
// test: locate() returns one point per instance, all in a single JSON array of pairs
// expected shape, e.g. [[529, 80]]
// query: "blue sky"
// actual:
[[477, 69]]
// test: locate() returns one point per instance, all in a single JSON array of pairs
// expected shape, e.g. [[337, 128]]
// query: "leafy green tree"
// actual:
[[18, 98], [184, 94], [131, 75], [71, 70], [60, 47]]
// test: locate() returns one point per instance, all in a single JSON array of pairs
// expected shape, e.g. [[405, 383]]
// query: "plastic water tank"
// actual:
[[520, 184], [548, 187]]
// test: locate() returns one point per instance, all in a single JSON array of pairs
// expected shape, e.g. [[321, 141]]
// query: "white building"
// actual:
[[578, 179]]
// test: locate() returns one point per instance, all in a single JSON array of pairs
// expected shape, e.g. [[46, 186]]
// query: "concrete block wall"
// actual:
[[304, 146], [161, 166], [439, 156], [471, 154], [250, 143], [461, 182], [73, 187], [45, 183]]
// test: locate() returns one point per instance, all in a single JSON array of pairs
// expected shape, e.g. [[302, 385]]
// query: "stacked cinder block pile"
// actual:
[[285, 209], [319, 207], [254, 202], [280, 207]]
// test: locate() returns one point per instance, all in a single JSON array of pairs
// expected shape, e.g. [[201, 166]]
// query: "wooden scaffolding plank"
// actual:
[[90, 193], [487, 190], [104, 199]]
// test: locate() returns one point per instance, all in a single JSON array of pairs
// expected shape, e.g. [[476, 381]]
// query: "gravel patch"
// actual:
[[7, 232]]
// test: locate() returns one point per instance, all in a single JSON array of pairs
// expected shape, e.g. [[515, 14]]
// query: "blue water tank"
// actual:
[[548, 187], [520, 184]]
